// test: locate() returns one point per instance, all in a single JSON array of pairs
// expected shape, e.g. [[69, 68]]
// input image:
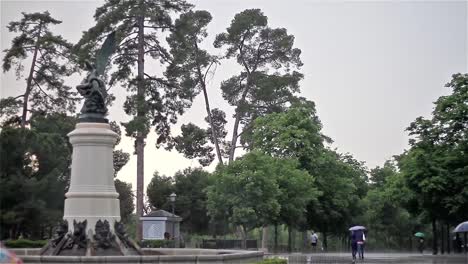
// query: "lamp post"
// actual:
[[172, 198]]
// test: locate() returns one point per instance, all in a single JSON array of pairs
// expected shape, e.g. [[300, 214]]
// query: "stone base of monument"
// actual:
[[91, 224], [153, 255], [102, 243]]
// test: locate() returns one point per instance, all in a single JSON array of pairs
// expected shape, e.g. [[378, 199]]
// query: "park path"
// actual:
[[372, 258]]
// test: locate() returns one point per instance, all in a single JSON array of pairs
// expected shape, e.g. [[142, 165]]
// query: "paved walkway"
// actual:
[[374, 258]]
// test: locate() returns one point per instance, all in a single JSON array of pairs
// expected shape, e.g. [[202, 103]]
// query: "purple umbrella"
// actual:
[[355, 228], [461, 228]]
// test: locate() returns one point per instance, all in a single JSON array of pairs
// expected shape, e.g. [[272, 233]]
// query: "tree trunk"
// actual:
[[214, 136], [139, 141], [29, 81], [265, 239], [325, 241], [244, 238], [289, 239], [448, 237], [434, 237], [234, 136], [304, 241], [465, 241], [410, 243], [275, 246], [442, 239], [235, 133]]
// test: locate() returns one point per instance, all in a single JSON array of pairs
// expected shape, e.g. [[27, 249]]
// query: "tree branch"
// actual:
[[207, 70], [45, 77], [126, 41], [40, 88], [250, 126], [124, 54], [157, 27]]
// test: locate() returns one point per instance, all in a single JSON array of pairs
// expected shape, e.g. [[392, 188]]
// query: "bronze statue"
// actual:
[[61, 231], [94, 91], [93, 88], [78, 238], [103, 236]]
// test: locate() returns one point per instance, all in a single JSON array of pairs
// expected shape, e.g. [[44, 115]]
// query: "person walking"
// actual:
[[314, 241], [353, 245], [421, 245], [360, 241]]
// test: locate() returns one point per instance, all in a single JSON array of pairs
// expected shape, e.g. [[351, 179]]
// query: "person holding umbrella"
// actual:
[[421, 236], [358, 239], [463, 228]]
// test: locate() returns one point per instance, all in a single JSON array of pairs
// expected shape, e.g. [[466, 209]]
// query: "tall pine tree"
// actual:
[[191, 66], [153, 100], [50, 62], [266, 83]]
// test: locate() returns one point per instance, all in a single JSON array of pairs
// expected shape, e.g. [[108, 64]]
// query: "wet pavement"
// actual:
[[374, 258]]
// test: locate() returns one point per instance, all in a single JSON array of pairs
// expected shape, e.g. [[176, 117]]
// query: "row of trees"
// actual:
[[290, 178]]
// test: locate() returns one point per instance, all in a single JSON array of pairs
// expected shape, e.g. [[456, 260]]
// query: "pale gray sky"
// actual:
[[370, 67]]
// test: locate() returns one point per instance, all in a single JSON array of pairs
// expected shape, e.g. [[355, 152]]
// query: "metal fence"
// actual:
[[228, 243]]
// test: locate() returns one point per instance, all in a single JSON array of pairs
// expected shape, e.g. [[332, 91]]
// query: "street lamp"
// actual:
[[172, 198]]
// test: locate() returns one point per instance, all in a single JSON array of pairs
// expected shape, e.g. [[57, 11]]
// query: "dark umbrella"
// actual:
[[355, 228]]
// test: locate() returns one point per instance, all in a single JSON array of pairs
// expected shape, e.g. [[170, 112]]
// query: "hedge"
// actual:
[[25, 243], [273, 261], [157, 244]]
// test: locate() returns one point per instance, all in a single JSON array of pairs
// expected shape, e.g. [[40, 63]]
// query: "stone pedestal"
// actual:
[[92, 195]]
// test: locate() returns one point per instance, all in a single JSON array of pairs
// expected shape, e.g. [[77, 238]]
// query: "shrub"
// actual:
[[273, 261], [25, 243], [157, 243]]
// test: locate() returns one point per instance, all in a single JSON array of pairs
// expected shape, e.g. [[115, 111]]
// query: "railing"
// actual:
[[228, 243]]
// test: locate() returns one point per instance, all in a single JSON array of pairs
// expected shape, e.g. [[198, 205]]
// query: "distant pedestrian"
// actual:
[[421, 245], [314, 241]]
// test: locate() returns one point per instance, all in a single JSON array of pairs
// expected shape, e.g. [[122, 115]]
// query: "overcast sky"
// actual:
[[370, 67]]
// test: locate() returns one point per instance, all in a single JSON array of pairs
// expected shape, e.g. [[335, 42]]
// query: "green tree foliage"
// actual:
[[193, 142], [246, 191], [34, 175], [386, 213], [339, 203], [435, 165], [341, 179], [257, 189], [126, 199], [294, 133], [153, 101], [120, 157], [158, 190], [191, 65], [190, 185], [379, 175], [266, 83], [51, 61]]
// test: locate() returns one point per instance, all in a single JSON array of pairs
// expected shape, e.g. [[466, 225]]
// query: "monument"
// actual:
[[91, 225], [91, 231]]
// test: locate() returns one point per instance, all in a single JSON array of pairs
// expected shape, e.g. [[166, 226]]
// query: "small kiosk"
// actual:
[[160, 222]]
